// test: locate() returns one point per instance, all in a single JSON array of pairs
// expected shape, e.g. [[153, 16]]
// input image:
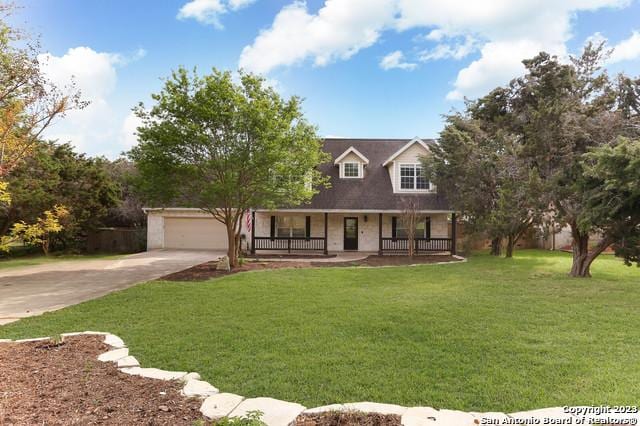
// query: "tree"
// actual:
[[226, 147], [613, 197], [560, 112], [477, 166], [40, 232], [54, 174], [128, 211], [29, 103], [409, 219]]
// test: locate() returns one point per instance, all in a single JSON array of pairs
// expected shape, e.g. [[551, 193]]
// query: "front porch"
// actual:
[[323, 232]]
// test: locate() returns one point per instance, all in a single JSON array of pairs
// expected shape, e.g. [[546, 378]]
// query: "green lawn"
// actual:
[[38, 259], [491, 334]]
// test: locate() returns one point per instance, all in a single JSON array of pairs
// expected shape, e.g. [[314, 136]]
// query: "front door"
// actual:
[[350, 233]]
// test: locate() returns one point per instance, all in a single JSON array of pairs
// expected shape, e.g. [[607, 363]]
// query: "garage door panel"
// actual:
[[194, 233]]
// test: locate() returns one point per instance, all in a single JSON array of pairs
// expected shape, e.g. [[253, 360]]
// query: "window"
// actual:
[[423, 229], [412, 178], [351, 170], [290, 226]]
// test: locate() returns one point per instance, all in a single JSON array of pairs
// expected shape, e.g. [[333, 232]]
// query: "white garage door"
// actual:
[[194, 233]]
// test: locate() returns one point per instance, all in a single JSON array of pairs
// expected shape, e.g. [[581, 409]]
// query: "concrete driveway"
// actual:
[[32, 290]]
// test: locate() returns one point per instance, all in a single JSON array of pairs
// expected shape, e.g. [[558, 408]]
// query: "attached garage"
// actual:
[[185, 229], [194, 233]]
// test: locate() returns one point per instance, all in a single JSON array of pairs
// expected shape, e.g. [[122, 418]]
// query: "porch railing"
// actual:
[[289, 243], [401, 245]]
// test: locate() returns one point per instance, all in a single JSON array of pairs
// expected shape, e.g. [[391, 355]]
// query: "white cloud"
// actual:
[[454, 50], [128, 132], [504, 31], [626, 50], [209, 11], [396, 60], [93, 129], [338, 31]]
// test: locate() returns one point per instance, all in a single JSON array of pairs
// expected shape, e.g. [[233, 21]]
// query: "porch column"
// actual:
[[380, 234], [326, 225], [253, 232], [453, 234]]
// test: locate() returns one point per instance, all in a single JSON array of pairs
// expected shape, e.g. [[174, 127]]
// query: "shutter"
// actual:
[[427, 227], [307, 227], [273, 226], [394, 223]]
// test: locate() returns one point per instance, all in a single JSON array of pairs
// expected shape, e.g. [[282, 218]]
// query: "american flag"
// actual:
[[248, 220]]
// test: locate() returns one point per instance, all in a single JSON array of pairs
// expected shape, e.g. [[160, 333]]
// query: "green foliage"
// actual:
[[56, 174], [251, 419], [612, 175], [226, 147], [518, 154]]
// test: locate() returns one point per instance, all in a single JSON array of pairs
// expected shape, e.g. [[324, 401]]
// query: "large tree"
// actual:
[[225, 147], [560, 112], [477, 166]]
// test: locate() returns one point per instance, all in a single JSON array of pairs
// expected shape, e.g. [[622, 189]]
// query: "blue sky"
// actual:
[[366, 68]]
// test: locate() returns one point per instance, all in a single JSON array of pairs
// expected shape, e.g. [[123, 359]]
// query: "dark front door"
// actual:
[[350, 233]]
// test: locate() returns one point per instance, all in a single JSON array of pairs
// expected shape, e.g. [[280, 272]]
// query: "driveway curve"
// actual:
[[32, 290]]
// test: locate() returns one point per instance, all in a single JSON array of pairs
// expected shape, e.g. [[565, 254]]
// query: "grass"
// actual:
[[490, 334], [39, 259]]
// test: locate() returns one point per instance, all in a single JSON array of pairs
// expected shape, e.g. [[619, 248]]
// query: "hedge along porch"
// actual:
[[367, 231]]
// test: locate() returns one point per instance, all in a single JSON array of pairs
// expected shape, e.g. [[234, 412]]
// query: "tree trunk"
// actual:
[[496, 246], [580, 249], [232, 252], [511, 242]]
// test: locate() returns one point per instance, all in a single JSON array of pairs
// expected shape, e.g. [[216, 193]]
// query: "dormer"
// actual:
[[405, 168], [351, 164]]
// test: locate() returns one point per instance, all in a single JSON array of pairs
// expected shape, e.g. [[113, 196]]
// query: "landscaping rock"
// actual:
[[128, 362], [190, 376], [275, 412], [114, 341], [419, 416], [6, 340], [220, 405], [325, 408], [113, 355], [198, 388], [223, 264], [154, 373], [375, 407]]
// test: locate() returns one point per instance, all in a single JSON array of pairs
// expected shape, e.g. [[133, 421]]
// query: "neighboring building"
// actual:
[[372, 183]]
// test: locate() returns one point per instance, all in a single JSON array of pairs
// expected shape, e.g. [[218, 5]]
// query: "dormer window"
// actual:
[[351, 170], [351, 164], [412, 178]]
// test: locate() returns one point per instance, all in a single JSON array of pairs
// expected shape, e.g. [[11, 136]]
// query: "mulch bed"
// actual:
[[208, 270], [333, 418], [56, 384]]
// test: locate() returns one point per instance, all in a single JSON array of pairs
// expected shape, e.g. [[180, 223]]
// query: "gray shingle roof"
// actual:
[[374, 191]]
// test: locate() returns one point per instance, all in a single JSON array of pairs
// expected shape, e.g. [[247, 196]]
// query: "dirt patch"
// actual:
[[55, 384], [208, 270], [333, 418]]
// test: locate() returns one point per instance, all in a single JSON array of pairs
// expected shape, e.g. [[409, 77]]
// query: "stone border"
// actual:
[[217, 405]]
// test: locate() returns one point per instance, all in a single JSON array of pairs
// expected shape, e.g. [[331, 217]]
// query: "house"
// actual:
[[373, 183]]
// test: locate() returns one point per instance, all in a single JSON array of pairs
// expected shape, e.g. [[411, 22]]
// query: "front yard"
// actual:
[[490, 334]]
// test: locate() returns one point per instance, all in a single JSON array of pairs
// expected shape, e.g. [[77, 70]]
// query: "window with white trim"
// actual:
[[412, 178], [290, 226], [351, 170]]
